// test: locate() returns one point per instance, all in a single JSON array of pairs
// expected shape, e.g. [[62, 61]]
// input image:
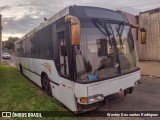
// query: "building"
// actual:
[[151, 22]]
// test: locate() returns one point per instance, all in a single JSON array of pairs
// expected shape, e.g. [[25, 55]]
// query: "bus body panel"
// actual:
[[107, 87], [114, 85], [62, 89]]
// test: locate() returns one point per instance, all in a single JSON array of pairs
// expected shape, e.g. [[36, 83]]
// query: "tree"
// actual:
[[10, 42]]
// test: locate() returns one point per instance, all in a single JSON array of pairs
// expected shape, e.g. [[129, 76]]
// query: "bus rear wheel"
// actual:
[[46, 84]]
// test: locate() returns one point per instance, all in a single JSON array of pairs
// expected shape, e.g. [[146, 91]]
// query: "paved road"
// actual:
[[146, 97], [12, 60]]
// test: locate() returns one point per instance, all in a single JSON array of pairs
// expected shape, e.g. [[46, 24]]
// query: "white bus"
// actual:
[[81, 55]]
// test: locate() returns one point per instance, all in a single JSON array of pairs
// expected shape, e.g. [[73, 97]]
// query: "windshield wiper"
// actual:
[[119, 30], [107, 33], [119, 37], [97, 23]]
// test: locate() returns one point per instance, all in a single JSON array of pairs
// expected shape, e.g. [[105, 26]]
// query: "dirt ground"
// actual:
[[150, 68]]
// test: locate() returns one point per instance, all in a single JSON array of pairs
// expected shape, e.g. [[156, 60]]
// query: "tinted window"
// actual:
[[28, 45], [17, 49], [45, 43], [38, 46], [35, 47], [103, 13]]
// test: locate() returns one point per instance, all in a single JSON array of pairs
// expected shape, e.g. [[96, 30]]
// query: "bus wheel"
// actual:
[[21, 70], [46, 84]]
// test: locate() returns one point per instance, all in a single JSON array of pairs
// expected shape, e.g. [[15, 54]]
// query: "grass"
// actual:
[[17, 93]]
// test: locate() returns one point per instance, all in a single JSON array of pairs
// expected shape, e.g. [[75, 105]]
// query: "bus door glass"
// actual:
[[63, 54]]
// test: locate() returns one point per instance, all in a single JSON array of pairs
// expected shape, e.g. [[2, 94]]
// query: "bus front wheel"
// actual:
[[46, 84]]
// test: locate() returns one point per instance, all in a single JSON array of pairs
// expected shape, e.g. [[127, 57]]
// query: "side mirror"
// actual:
[[143, 36], [75, 29], [75, 35], [143, 33]]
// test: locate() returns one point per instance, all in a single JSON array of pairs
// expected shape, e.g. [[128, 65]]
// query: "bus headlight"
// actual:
[[91, 99]]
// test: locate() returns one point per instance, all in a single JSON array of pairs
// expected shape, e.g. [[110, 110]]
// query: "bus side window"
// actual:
[[64, 69]]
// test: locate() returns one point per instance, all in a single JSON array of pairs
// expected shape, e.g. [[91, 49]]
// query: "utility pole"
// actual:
[[0, 38]]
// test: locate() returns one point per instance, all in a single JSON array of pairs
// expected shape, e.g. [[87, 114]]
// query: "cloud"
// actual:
[[21, 25], [6, 7], [29, 15]]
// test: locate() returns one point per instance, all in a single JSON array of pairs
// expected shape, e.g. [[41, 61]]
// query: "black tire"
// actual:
[[46, 84], [21, 70], [130, 90]]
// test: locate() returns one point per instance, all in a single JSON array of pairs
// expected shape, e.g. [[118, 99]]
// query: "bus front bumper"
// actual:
[[105, 88]]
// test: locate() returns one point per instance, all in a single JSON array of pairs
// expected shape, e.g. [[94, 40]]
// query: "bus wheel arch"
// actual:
[[46, 83]]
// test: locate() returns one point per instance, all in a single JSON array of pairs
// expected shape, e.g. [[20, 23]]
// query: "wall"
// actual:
[[151, 22]]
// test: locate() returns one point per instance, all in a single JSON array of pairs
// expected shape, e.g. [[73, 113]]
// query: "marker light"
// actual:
[[84, 99]]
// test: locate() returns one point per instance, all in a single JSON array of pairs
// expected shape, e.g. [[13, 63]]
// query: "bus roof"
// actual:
[[79, 12], [57, 16]]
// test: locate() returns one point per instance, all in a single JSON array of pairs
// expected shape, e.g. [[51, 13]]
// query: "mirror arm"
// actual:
[[142, 29], [72, 19], [143, 32]]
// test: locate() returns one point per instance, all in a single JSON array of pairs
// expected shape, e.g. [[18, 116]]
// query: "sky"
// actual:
[[21, 16]]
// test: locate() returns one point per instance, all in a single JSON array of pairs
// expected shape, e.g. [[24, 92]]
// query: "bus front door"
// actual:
[[66, 90]]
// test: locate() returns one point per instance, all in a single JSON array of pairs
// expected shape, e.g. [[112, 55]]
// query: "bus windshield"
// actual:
[[106, 50]]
